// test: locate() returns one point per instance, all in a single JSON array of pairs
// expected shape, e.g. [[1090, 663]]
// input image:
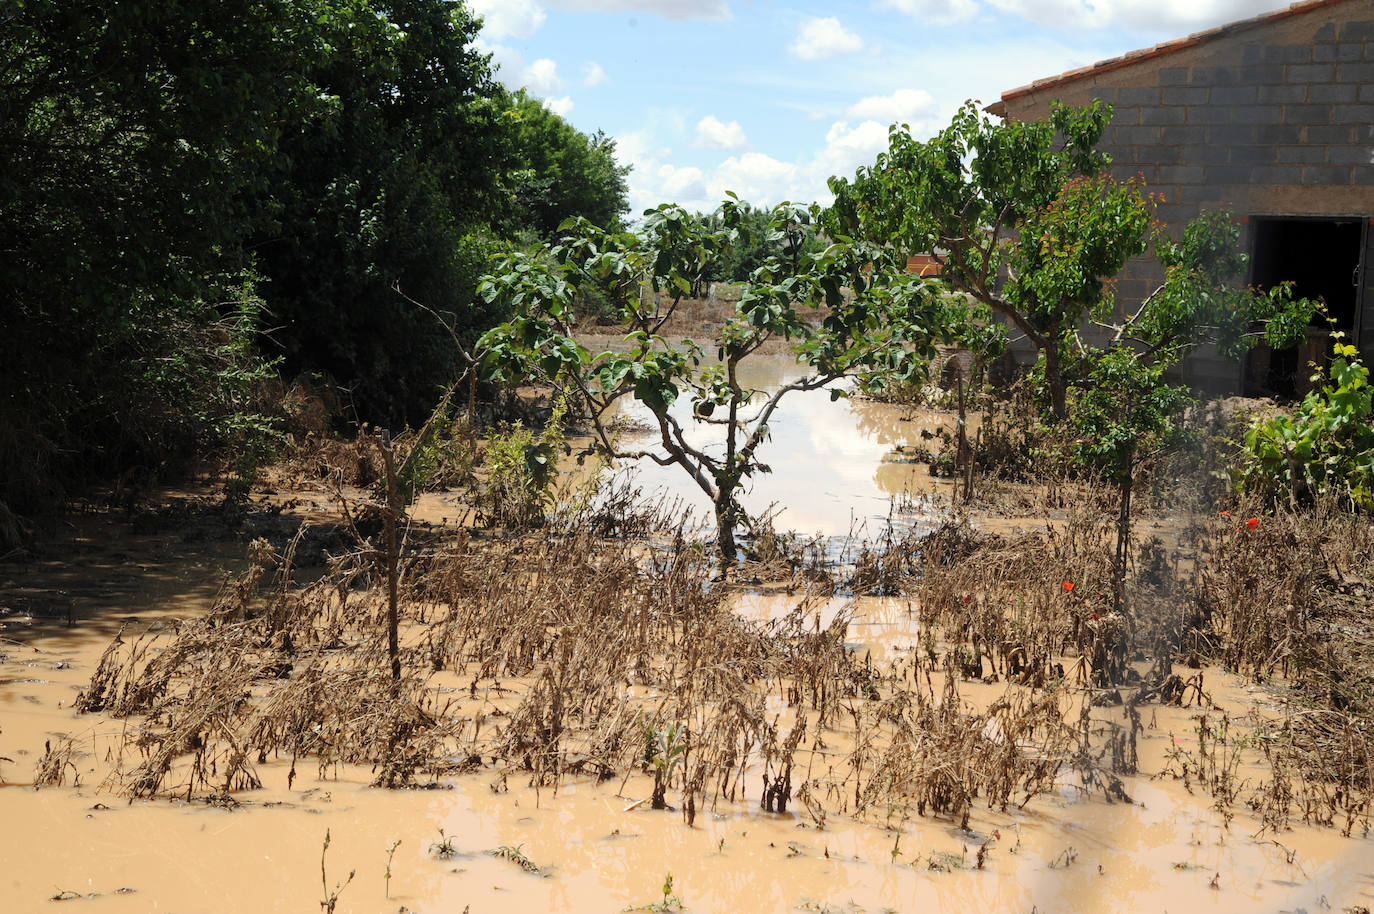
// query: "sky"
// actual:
[[768, 99]]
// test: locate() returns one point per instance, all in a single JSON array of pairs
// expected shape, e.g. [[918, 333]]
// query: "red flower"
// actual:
[[1252, 523], [966, 598], [1224, 513], [1094, 617], [1068, 585]]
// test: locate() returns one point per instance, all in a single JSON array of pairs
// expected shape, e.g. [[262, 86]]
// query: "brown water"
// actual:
[[1167, 851], [598, 849], [835, 465]]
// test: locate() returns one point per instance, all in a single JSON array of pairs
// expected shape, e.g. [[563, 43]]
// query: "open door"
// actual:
[[1323, 258]]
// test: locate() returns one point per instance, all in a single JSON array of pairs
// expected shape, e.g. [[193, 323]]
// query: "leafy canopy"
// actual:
[[1018, 214], [879, 324], [555, 172], [1026, 218]]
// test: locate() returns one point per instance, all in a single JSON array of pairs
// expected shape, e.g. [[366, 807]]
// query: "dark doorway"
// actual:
[[1322, 259]]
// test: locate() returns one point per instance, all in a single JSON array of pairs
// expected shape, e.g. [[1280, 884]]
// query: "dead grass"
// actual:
[[558, 655], [603, 646], [1281, 598]]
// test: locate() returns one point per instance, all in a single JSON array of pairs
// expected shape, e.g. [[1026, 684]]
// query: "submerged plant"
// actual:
[[664, 748], [330, 898], [443, 849], [669, 902], [515, 855]]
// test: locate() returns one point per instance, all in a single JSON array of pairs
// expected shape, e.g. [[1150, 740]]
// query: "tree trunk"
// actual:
[[1123, 535], [392, 556], [1054, 378], [726, 516]]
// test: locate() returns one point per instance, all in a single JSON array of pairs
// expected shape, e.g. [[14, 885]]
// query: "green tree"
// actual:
[[1124, 404], [881, 324], [760, 243], [557, 172], [1020, 215], [1024, 217], [134, 137], [389, 186], [1123, 411]]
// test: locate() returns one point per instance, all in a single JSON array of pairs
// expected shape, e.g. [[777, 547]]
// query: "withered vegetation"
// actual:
[[605, 646], [1282, 599], [565, 653]]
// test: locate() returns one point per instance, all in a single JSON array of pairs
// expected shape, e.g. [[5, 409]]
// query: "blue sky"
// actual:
[[768, 98]]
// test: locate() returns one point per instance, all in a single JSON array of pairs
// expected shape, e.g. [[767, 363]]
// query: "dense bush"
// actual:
[[1326, 448], [160, 155]]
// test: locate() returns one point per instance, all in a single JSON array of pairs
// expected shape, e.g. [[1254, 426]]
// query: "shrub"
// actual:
[[1325, 449], [521, 470]]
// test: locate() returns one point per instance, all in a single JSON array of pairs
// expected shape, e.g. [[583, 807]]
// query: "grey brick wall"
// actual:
[[1292, 118], [1299, 114], [1273, 117]]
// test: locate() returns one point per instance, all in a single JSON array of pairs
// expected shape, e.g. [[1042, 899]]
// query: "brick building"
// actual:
[[1271, 118]]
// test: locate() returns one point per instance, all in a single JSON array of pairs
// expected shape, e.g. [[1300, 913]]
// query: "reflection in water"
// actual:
[[834, 464]]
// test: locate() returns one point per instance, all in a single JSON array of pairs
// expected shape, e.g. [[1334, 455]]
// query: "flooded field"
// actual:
[[530, 786], [836, 465], [1167, 850]]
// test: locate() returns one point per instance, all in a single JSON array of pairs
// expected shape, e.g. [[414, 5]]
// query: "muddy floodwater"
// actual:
[[597, 851], [835, 466], [596, 846]]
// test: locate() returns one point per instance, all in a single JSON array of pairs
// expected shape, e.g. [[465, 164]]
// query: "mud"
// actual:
[[597, 846], [598, 851]]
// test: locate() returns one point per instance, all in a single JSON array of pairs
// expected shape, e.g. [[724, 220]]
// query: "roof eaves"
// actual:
[[1167, 47]]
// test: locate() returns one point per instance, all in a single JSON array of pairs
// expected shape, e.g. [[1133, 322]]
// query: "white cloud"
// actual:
[[681, 184], [846, 148], [508, 62], [559, 106], [714, 133], [757, 178], [902, 105], [638, 149], [668, 9], [644, 155], [593, 75], [541, 77], [1171, 17], [508, 18], [937, 12], [818, 39]]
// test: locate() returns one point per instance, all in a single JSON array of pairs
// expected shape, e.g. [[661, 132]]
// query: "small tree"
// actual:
[[1017, 214], [879, 324], [1023, 217], [1125, 405], [1123, 413]]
